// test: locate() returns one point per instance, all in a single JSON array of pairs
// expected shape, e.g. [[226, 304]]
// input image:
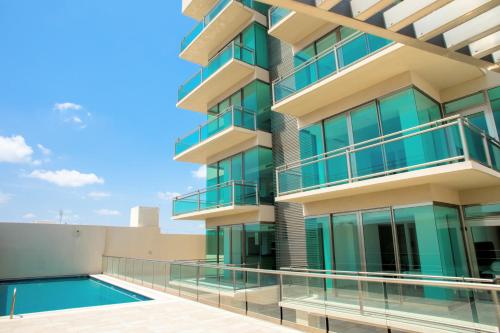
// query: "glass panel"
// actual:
[[430, 241], [365, 126], [277, 14], [311, 144], [464, 103], [487, 247], [478, 120], [262, 292], [477, 211], [378, 241], [346, 243], [318, 243], [336, 132], [494, 96], [211, 244]]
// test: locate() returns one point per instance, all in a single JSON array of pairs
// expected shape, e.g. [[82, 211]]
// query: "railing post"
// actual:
[[233, 192], [463, 138], [142, 273], [199, 200], [197, 282], [494, 296], [348, 160], [486, 150], [281, 298], [13, 303], [360, 297]]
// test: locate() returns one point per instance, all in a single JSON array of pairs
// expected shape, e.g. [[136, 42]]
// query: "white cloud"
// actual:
[[98, 195], [14, 150], [167, 195], [67, 106], [29, 216], [67, 178], [200, 173], [44, 150], [73, 113], [107, 212], [4, 198]]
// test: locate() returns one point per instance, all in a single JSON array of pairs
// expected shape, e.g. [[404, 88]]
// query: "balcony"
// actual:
[[450, 152], [229, 198], [217, 28], [228, 130], [229, 67], [197, 9], [357, 63], [283, 23]]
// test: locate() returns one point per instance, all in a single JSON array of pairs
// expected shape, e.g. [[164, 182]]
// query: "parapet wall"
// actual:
[[30, 250]]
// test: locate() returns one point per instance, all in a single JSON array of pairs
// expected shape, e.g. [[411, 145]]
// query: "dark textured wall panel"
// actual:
[[289, 219]]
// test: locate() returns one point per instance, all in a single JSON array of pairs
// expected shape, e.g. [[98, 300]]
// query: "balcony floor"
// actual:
[[226, 139], [459, 176]]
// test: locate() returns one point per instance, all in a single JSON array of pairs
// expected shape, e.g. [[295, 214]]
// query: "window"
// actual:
[[429, 241]]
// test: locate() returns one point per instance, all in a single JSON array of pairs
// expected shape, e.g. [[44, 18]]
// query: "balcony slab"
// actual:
[[219, 31], [440, 72], [224, 79], [197, 9]]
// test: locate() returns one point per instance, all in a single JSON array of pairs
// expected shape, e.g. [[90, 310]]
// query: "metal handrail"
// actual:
[[13, 303], [386, 139], [386, 274], [225, 184], [315, 58], [452, 284], [231, 109]]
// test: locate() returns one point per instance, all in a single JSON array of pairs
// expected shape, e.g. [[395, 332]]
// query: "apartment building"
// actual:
[[358, 136]]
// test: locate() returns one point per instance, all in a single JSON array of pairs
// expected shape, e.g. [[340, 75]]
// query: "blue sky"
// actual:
[[87, 110]]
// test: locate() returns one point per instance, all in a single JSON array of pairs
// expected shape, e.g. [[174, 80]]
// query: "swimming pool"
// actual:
[[61, 293]]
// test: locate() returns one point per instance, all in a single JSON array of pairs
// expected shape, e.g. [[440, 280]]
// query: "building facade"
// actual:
[[358, 136]]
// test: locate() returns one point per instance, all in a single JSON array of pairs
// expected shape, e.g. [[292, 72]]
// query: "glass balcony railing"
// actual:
[[230, 52], [329, 62], [233, 116], [231, 193], [422, 303], [276, 14], [212, 14], [441, 142]]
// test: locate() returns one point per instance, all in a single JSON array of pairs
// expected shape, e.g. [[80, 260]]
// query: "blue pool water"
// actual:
[[61, 293]]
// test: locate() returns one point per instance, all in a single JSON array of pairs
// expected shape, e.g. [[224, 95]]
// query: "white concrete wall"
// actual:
[[43, 250], [39, 250]]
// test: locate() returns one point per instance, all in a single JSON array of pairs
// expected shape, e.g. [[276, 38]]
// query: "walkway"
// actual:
[[165, 314]]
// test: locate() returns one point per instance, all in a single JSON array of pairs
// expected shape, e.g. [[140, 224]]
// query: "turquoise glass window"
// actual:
[[464, 103], [311, 144], [479, 211], [336, 132], [254, 97], [319, 243], [378, 241], [365, 126], [211, 244], [494, 97], [403, 110], [260, 249], [346, 242]]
